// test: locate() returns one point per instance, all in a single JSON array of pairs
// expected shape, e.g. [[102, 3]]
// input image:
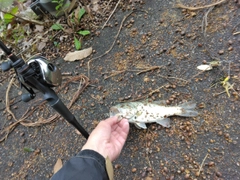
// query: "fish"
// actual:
[[141, 113]]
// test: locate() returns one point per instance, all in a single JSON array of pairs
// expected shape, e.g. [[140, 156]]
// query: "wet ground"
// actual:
[[155, 57]]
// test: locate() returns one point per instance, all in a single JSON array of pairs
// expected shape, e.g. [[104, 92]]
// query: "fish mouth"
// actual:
[[114, 111]]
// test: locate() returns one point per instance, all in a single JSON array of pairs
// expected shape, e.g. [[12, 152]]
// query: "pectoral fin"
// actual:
[[165, 122], [141, 125]]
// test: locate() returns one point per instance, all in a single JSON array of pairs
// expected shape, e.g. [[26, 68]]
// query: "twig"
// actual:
[[111, 13], [202, 163], [88, 64], [236, 33], [200, 7], [83, 84], [175, 78], [235, 27], [24, 19], [107, 6], [149, 69], [7, 98], [114, 74], [205, 22]]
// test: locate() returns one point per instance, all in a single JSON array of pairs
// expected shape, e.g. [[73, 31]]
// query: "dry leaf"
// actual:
[[41, 45], [38, 28], [77, 55], [204, 67], [57, 166], [71, 6], [95, 5]]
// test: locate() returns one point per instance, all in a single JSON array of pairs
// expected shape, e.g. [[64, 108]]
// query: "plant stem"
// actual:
[[24, 19]]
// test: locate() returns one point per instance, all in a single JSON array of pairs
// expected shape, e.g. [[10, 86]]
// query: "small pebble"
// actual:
[[117, 166], [221, 52], [10, 163], [165, 169], [187, 176], [201, 105], [211, 163], [230, 48], [134, 170], [226, 135], [182, 168], [9, 117], [197, 173], [230, 42], [168, 102], [149, 169], [37, 151], [218, 174], [183, 33]]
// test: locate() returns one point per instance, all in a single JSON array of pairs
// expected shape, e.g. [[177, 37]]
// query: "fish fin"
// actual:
[[161, 103], [188, 105], [141, 125], [165, 122], [188, 109]]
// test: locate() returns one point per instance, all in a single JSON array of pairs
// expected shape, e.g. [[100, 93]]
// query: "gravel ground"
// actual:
[[154, 57]]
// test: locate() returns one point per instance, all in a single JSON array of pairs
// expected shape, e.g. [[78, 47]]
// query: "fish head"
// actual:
[[122, 111], [114, 111]]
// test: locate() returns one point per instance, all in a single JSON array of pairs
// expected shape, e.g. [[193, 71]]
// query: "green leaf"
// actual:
[[84, 33], [56, 27], [56, 43], [28, 149], [58, 7], [81, 13], [14, 10], [8, 17], [77, 43]]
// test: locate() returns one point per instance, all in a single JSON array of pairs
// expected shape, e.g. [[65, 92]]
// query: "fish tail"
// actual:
[[188, 109]]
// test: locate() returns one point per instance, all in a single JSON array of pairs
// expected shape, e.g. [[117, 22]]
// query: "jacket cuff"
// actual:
[[93, 154], [106, 163]]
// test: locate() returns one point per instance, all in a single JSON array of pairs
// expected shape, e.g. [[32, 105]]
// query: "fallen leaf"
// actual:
[[57, 166], [77, 55], [71, 6], [95, 5], [204, 67], [27, 44], [41, 45], [39, 28]]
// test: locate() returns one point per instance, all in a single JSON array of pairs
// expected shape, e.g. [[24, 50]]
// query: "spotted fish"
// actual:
[[140, 113]]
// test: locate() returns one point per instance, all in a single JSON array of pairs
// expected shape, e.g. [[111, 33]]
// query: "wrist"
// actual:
[[96, 149]]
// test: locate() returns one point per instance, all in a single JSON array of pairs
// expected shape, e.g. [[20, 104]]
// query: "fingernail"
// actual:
[[119, 117]]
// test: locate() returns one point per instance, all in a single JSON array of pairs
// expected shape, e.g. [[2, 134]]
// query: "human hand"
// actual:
[[108, 137]]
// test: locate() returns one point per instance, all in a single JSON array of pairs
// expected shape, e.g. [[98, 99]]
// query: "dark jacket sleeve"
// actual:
[[86, 165]]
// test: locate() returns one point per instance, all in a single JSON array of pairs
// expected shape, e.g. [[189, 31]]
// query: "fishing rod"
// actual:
[[39, 74]]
